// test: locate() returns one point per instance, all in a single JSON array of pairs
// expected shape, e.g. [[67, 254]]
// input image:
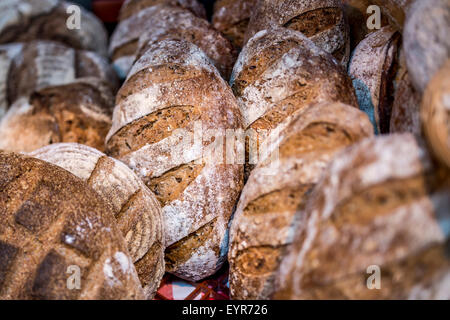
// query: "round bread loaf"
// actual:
[[176, 23], [26, 20], [52, 225], [231, 17], [373, 68], [378, 218], [263, 224], [426, 40], [172, 90], [435, 114], [137, 212], [322, 21], [131, 7], [77, 112]]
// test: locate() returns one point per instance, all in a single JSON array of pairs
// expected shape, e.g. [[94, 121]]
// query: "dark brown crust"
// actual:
[[131, 7]]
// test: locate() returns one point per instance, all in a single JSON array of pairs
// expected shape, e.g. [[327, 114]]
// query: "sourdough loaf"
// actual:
[[177, 23], [263, 224], [77, 112], [131, 7], [172, 89], [373, 68], [26, 20], [435, 114], [52, 224], [426, 40], [137, 212], [379, 210], [231, 17], [322, 21]]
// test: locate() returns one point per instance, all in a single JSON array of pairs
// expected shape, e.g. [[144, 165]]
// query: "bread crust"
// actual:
[[51, 220], [131, 7]]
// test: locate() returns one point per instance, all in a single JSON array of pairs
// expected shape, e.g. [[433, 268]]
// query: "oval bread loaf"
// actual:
[[263, 224], [171, 90], [322, 21], [131, 7], [379, 209], [77, 112], [135, 207], [52, 224], [27, 20]]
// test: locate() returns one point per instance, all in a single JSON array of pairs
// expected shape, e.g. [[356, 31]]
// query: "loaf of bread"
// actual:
[[231, 17], [263, 224], [55, 228], [77, 112], [135, 207], [426, 40], [179, 24], [171, 91], [40, 64], [374, 227], [435, 114], [322, 21], [26, 20], [131, 7], [373, 68]]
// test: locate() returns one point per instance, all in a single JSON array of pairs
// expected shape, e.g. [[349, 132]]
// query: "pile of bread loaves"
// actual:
[[287, 138]]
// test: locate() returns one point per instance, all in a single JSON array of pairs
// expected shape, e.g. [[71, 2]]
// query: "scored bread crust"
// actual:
[[373, 68], [131, 7], [311, 17], [52, 224], [27, 20], [174, 86], [262, 227], [76, 112], [231, 17], [389, 210], [136, 209]]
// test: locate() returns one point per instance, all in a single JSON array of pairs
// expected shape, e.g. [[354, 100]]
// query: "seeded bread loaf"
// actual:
[[231, 17], [53, 224], [263, 224], [137, 212], [322, 21], [190, 28], [27, 20], [435, 114], [77, 112], [172, 90], [377, 218], [373, 68], [131, 7], [426, 40]]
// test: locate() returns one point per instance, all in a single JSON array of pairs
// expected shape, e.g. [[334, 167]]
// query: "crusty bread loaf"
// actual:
[[322, 21], [176, 23], [231, 17], [131, 7], [171, 90], [379, 204], [435, 114], [26, 20], [50, 220], [426, 40], [7, 54], [373, 68], [135, 207], [77, 112], [263, 224]]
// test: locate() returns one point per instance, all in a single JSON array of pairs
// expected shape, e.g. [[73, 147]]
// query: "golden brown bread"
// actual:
[[27, 20], [322, 21], [76, 112], [51, 220], [171, 90], [264, 221], [135, 207], [380, 203], [131, 7]]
